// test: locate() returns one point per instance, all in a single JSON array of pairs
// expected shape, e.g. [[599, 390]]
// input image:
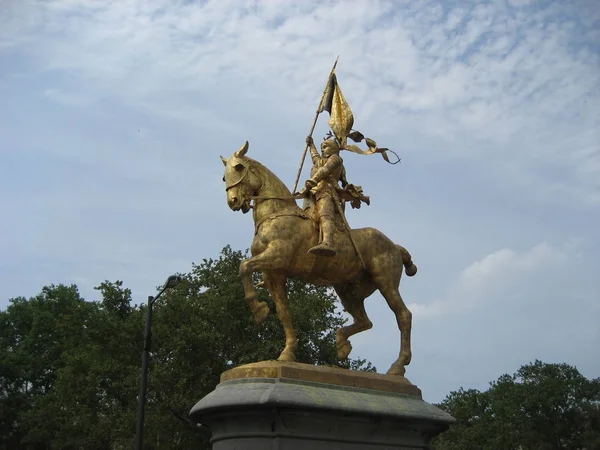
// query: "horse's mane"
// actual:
[[272, 185]]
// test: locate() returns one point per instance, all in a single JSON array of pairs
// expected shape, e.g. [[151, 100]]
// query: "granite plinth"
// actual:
[[289, 406]]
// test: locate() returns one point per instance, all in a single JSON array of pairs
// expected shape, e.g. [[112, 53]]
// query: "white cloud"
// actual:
[[499, 272], [504, 310], [490, 81], [156, 46]]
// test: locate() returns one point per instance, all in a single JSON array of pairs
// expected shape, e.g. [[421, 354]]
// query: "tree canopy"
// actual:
[[540, 407], [70, 368]]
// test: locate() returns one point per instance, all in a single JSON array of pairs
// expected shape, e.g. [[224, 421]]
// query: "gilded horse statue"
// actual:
[[284, 233]]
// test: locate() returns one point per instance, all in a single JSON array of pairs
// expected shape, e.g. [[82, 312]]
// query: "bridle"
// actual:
[[257, 198], [244, 175]]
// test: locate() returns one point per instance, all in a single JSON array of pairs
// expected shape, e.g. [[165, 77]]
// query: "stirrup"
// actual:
[[323, 250]]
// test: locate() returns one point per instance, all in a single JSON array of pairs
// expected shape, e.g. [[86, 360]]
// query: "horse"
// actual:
[[283, 234]]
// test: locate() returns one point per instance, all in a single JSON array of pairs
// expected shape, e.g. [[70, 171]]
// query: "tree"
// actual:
[[68, 372], [95, 393], [542, 407], [204, 327], [35, 337], [70, 369]]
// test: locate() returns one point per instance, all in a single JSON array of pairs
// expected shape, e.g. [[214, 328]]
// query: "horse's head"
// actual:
[[241, 183]]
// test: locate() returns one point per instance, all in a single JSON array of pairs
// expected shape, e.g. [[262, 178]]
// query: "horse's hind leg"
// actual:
[[353, 301], [389, 290], [277, 287]]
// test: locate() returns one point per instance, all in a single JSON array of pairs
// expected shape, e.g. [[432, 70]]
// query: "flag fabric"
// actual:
[[341, 121], [341, 118]]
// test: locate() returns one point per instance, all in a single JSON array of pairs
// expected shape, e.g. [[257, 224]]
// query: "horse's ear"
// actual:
[[224, 161], [242, 151]]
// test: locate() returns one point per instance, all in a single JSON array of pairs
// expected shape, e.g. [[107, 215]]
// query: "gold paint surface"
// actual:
[[322, 374], [315, 244], [355, 262]]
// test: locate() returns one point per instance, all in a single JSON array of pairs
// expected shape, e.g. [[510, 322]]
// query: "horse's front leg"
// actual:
[[269, 259], [258, 308], [277, 287]]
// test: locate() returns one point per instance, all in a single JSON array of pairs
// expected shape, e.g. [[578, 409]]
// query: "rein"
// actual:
[[258, 198], [266, 197], [261, 197]]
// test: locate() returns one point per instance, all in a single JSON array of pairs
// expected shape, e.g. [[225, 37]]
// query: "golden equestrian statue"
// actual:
[[314, 243]]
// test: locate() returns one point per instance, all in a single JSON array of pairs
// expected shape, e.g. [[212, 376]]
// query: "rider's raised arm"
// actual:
[[314, 153]]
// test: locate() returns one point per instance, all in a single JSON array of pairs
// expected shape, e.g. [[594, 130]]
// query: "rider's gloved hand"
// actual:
[[310, 183]]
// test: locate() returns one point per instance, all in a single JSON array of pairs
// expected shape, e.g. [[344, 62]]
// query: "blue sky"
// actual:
[[113, 116]]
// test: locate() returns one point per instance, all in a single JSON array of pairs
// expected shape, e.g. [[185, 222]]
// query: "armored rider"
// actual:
[[327, 171]]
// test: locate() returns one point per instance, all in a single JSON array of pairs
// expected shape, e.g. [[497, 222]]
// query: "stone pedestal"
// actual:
[[277, 405]]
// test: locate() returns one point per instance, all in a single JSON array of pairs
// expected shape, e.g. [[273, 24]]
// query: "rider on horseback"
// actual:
[[327, 171]]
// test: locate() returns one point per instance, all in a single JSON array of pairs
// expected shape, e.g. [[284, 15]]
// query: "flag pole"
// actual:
[[312, 129]]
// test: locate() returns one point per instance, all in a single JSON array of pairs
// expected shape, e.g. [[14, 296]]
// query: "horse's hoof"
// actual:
[[343, 349], [287, 355], [261, 312], [397, 370]]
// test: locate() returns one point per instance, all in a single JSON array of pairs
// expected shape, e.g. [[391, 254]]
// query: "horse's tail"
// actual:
[[409, 266]]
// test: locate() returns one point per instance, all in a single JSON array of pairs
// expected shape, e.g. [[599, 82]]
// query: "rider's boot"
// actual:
[[325, 248]]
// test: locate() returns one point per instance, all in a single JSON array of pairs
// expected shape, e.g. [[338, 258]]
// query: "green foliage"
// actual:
[[70, 369], [203, 327], [35, 334], [542, 407]]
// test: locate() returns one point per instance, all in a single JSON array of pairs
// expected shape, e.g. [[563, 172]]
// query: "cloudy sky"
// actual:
[[113, 115]]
